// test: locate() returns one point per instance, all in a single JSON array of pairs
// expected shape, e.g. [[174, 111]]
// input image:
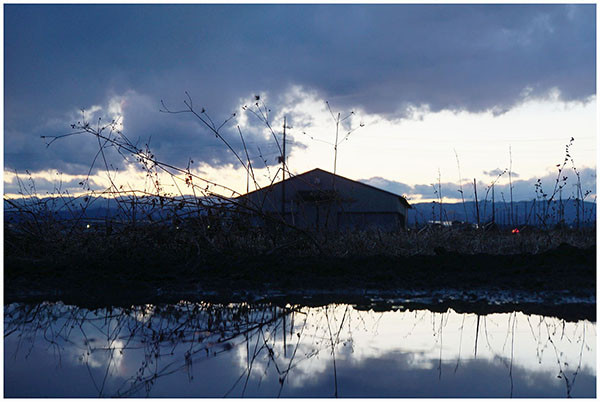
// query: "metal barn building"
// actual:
[[321, 200]]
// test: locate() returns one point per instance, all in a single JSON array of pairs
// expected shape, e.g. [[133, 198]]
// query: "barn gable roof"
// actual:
[[402, 199]]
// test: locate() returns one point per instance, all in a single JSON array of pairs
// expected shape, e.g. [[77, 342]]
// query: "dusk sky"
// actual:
[[429, 84]]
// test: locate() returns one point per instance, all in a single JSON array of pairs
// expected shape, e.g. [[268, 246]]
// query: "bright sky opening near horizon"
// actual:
[[431, 93]]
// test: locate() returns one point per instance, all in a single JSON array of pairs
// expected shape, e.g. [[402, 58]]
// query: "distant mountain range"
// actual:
[[533, 212]]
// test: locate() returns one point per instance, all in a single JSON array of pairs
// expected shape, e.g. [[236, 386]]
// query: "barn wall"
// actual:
[[309, 203]]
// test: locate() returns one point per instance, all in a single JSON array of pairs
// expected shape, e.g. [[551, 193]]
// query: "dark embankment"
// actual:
[[133, 279]]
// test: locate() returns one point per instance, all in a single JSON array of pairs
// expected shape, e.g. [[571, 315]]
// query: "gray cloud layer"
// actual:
[[381, 58], [523, 189]]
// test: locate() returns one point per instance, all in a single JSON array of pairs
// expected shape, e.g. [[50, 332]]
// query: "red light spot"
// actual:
[[515, 230]]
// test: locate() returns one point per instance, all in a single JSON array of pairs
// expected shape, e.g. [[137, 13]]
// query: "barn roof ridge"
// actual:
[[366, 185], [403, 199]]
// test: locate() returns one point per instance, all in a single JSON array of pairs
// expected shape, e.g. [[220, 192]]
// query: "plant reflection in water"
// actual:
[[269, 350]]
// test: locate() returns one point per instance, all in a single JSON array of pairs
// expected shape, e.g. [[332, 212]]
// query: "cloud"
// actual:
[[381, 57], [499, 172], [388, 60], [524, 189], [174, 138], [389, 185], [494, 172]]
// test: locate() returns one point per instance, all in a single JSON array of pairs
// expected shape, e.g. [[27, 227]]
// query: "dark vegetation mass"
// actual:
[[137, 262]]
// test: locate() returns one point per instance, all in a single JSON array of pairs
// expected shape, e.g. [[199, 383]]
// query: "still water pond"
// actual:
[[241, 350]]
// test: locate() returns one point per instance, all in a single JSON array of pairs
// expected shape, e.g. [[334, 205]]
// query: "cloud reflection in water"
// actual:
[[210, 350]]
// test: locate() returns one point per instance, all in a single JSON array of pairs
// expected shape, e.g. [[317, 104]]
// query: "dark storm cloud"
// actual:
[[380, 58]]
